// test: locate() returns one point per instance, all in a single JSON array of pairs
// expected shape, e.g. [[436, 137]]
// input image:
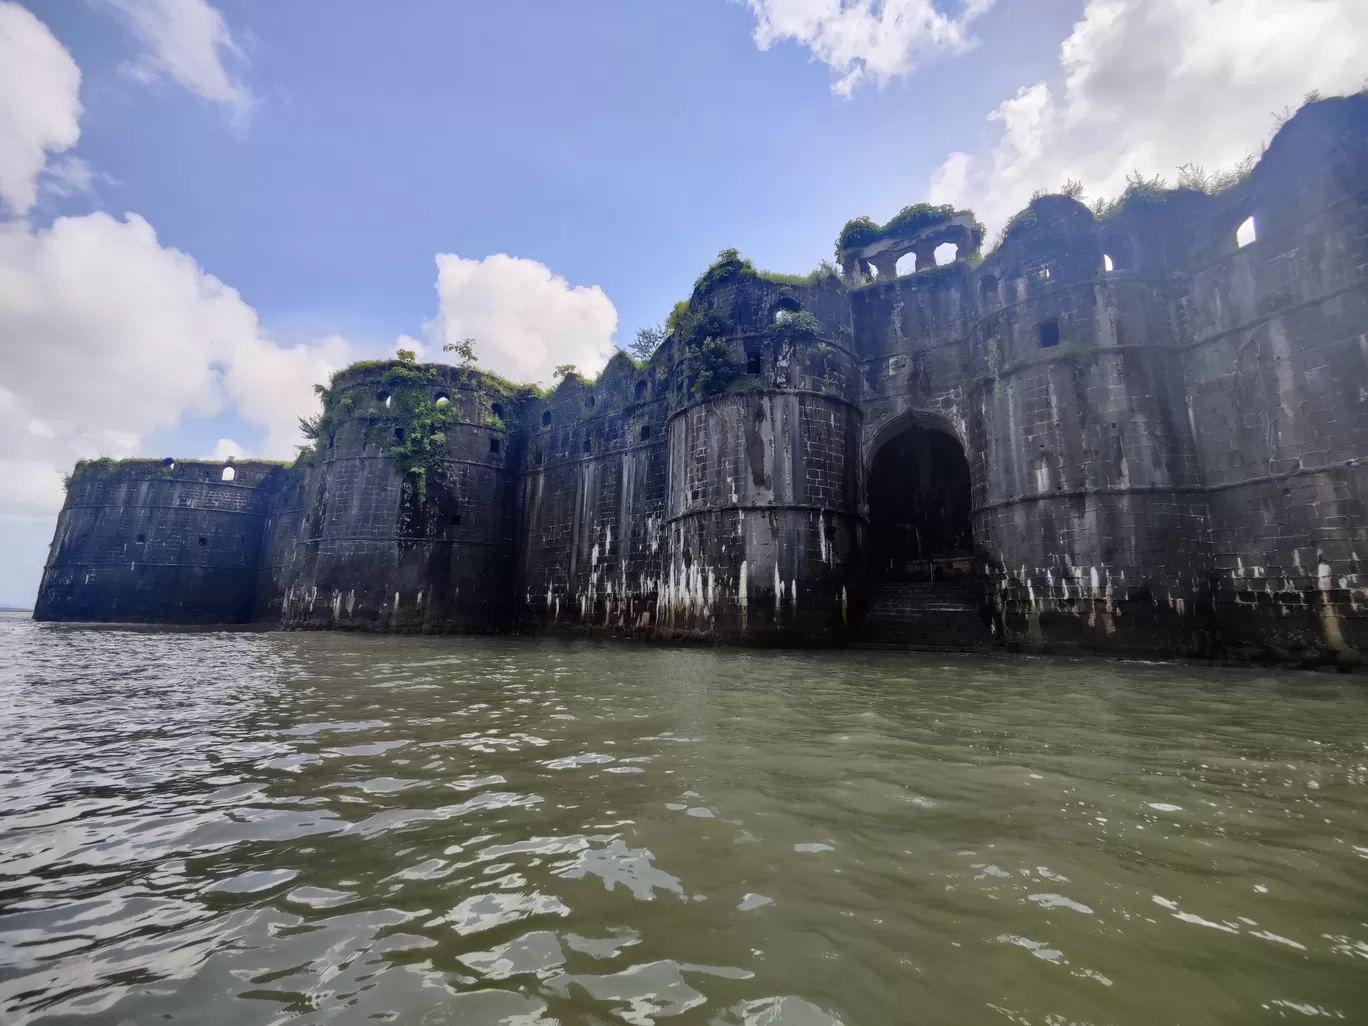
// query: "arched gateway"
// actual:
[[923, 585]]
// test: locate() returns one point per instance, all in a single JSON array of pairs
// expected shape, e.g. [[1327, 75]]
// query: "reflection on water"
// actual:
[[246, 828]]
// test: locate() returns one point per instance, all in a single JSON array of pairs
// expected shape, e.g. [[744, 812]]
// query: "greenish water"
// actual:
[[245, 828]]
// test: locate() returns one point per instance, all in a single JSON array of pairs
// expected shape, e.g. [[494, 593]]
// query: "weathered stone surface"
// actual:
[[1166, 438]]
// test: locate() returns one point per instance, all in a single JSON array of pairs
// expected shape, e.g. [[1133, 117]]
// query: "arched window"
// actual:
[[546, 419], [1117, 254], [589, 402], [229, 473], [1246, 233], [785, 308], [989, 286], [640, 390], [497, 410], [907, 264], [169, 463], [441, 399]]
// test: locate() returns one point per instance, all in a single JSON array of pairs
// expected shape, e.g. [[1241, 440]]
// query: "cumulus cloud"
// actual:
[[186, 40], [862, 40], [525, 320], [1149, 85], [107, 335], [40, 106]]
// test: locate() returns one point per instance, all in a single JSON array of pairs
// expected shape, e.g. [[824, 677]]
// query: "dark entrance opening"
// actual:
[[919, 506]]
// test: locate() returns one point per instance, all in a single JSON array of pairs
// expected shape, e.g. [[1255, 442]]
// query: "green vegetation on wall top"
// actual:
[[861, 231]]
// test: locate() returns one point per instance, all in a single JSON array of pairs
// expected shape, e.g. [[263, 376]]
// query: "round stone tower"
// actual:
[[763, 485], [408, 522]]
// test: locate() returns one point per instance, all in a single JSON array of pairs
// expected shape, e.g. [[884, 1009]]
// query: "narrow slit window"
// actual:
[[546, 419], [587, 446], [1107, 264]]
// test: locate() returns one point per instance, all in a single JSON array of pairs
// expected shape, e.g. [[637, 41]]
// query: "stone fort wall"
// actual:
[[1166, 435]]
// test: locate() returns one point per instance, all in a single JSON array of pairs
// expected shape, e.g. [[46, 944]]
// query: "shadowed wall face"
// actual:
[[150, 541]]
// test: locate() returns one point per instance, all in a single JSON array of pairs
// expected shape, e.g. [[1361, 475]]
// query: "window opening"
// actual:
[[203, 540], [589, 402], [169, 463], [753, 363], [546, 419], [496, 445], [142, 538], [497, 410], [441, 399], [1107, 264], [907, 264], [229, 474], [646, 432], [947, 253], [587, 445], [383, 398], [1245, 234], [398, 434], [455, 520], [1049, 334], [640, 391]]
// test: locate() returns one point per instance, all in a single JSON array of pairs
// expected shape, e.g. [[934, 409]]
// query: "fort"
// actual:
[[1142, 431]]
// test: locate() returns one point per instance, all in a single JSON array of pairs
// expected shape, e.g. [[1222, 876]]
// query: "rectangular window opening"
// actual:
[[496, 445], [1049, 334], [142, 538], [398, 434], [203, 540], [455, 520], [646, 433]]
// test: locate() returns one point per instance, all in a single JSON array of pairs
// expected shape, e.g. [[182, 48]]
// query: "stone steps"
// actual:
[[933, 616]]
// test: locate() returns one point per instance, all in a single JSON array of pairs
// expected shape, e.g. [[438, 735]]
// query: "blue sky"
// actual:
[[216, 204]]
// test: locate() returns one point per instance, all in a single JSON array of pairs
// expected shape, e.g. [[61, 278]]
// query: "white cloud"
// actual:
[[106, 335], [226, 449], [1149, 85], [187, 40], [866, 39], [40, 106], [524, 319]]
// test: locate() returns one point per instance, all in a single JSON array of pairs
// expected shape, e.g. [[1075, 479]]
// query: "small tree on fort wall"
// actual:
[[646, 342], [464, 351]]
